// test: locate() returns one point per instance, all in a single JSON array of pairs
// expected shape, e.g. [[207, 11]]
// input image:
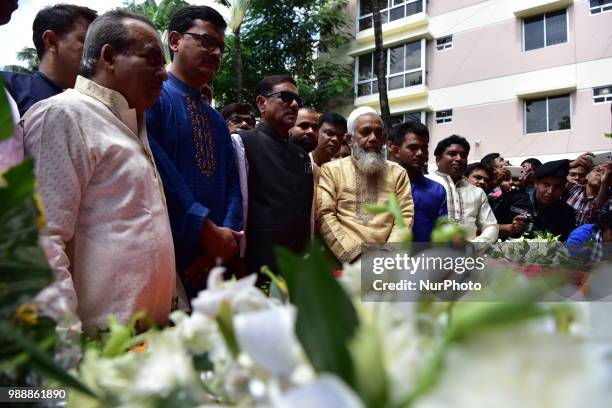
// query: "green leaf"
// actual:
[[326, 319], [6, 116], [41, 361], [376, 209]]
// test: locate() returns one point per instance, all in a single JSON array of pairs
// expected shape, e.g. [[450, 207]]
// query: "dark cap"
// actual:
[[557, 168]]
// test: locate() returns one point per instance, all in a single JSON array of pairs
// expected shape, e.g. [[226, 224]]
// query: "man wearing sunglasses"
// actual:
[[278, 185], [193, 149]]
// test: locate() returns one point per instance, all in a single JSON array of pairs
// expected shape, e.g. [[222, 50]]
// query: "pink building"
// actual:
[[525, 78]]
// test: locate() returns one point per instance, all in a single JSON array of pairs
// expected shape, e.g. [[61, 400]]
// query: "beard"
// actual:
[[368, 163]]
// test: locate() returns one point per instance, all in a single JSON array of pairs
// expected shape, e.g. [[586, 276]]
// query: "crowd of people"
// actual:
[[146, 186]]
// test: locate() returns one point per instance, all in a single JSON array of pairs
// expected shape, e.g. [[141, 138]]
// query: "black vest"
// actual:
[[280, 196]]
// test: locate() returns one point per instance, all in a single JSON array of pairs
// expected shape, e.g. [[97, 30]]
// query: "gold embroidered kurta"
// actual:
[[342, 219]]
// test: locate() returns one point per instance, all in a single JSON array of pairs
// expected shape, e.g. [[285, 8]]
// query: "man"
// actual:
[[467, 204], [529, 166], [409, 147], [497, 164], [479, 175], [588, 240], [58, 35], [238, 116], [332, 128], [108, 238], [347, 185], [577, 175], [550, 212], [345, 150], [279, 187], [305, 132], [193, 149], [510, 208], [587, 199]]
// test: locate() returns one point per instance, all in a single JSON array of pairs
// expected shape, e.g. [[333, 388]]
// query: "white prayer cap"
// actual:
[[362, 110]]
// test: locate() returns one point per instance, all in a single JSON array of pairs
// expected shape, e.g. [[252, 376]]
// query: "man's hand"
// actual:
[[197, 273], [606, 178], [519, 224], [584, 160], [220, 242]]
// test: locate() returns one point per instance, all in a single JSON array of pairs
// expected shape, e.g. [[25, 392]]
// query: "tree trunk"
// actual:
[[380, 65], [238, 65]]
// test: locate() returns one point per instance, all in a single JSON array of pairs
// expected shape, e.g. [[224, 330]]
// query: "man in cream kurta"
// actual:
[[365, 177], [467, 204], [108, 237]]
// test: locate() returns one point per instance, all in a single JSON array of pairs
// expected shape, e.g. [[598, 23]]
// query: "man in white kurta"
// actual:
[[467, 204], [108, 236]]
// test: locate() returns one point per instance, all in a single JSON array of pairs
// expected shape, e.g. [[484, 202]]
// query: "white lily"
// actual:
[[242, 295], [268, 337], [326, 391]]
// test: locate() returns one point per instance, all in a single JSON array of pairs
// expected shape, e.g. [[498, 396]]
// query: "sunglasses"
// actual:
[[288, 97], [207, 42]]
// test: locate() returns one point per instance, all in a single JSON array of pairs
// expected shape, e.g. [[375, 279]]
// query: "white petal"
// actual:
[[268, 337]]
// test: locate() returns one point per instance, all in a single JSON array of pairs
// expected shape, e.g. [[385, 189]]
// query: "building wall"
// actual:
[[486, 76]]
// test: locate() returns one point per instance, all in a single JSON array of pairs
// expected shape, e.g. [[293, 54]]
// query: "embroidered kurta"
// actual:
[[108, 237], [342, 219], [468, 206], [195, 157]]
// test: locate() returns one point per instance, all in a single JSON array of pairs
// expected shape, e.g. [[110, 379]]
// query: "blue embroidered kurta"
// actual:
[[429, 199], [195, 157]]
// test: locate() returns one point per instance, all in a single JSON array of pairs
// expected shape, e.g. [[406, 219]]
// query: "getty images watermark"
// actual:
[[483, 272]]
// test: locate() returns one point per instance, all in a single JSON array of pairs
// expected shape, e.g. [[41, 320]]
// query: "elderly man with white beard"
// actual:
[[347, 185]]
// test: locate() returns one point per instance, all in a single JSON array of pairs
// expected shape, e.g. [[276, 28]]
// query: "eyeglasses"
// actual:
[[288, 97], [237, 120], [207, 42]]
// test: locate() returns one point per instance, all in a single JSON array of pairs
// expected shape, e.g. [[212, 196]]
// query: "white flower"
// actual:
[[516, 367], [242, 295], [165, 368], [199, 334], [326, 391], [268, 337]]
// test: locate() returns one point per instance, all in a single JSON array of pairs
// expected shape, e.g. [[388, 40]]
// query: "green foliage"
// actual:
[[26, 338], [326, 319], [6, 117], [283, 37], [160, 14], [30, 57]]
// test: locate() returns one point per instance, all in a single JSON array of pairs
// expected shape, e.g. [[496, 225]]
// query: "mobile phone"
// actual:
[[516, 171], [601, 158]]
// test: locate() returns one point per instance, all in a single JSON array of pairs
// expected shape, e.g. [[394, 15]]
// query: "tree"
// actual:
[[30, 57], [293, 37], [380, 65], [238, 9], [159, 15]]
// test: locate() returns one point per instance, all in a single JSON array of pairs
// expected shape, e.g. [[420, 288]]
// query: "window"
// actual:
[[545, 30], [405, 67], [600, 6], [444, 116], [444, 42], [419, 116], [390, 10], [548, 114], [602, 94]]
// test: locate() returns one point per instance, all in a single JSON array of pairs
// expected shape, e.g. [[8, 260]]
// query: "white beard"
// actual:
[[368, 163]]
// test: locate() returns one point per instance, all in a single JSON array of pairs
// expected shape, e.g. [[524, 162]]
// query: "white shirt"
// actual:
[[108, 237], [468, 206]]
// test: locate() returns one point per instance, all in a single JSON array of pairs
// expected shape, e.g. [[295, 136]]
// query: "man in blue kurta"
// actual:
[[408, 146], [193, 149]]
